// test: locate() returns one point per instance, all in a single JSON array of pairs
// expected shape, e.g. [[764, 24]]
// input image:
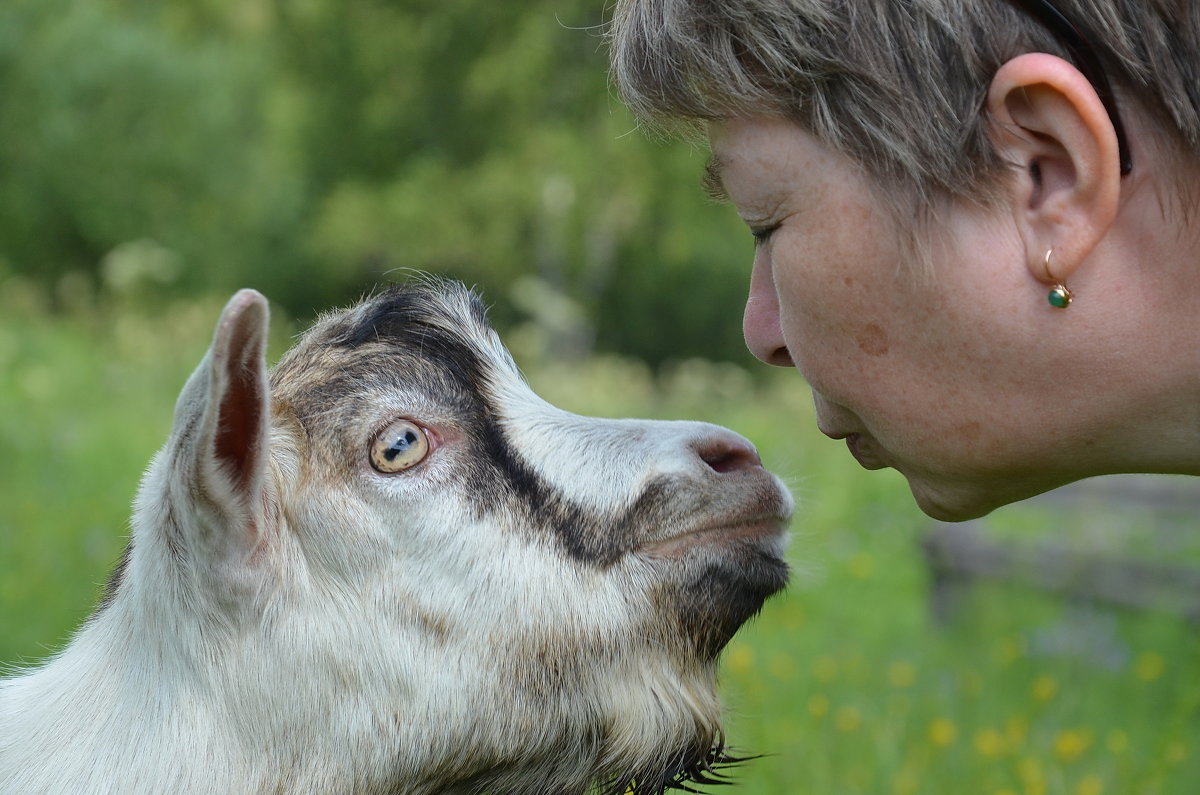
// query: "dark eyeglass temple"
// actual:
[[1085, 58]]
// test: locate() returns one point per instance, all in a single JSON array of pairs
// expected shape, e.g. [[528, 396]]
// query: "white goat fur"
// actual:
[[535, 608]]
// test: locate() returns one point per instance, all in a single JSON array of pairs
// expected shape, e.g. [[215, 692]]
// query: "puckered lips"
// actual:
[[860, 446]]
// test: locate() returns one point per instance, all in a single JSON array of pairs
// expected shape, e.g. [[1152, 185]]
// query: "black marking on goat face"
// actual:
[[425, 322], [588, 537]]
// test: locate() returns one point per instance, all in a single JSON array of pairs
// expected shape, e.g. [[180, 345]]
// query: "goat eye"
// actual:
[[400, 446]]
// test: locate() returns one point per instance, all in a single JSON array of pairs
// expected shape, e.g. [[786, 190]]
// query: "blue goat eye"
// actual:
[[401, 445]]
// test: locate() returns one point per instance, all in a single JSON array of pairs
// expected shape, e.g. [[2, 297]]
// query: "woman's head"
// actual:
[[856, 137], [897, 86]]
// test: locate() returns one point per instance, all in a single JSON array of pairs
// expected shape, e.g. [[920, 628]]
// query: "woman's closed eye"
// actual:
[[763, 234]]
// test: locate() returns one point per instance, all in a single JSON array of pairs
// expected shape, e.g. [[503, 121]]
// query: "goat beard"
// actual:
[[698, 767], [672, 741]]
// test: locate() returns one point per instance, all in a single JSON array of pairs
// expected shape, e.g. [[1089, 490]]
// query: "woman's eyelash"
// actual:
[[762, 235]]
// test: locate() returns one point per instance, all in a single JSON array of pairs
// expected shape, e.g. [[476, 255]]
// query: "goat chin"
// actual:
[[388, 567]]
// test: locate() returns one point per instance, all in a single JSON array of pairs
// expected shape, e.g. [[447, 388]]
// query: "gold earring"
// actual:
[[1059, 296]]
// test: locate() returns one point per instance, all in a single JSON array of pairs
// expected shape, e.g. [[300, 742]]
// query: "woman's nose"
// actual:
[[760, 323]]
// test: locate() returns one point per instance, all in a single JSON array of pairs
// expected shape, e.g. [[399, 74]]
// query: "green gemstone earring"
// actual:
[[1059, 297]]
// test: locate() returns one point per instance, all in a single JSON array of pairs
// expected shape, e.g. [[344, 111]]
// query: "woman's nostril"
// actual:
[[728, 455]]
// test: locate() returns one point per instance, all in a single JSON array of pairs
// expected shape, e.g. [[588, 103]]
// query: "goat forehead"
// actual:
[[442, 322], [432, 338], [426, 305]]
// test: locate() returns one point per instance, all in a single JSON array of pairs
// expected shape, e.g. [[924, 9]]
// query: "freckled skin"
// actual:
[[959, 375], [970, 430], [872, 340]]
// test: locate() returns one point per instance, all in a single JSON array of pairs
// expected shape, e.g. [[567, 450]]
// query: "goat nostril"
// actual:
[[728, 455]]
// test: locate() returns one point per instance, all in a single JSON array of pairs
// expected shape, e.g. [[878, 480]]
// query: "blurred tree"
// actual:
[[481, 140], [113, 132], [313, 147]]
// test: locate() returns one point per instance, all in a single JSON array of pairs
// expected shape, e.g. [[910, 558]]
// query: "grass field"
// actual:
[[844, 684]]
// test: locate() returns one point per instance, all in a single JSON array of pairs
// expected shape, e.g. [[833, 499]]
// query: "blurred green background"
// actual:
[[154, 156], [314, 148]]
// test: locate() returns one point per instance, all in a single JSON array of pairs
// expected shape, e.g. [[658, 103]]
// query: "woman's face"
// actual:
[[928, 371]]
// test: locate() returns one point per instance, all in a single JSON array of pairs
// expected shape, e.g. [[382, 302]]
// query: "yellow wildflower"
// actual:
[[1010, 650], [902, 674], [1090, 785], [942, 732], [1070, 743], [1015, 729], [989, 743], [818, 705], [862, 565], [739, 658], [1149, 666], [1045, 688], [847, 719], [1032, 778]]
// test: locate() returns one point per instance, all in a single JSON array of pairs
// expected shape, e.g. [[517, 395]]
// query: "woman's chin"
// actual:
[[958, 502]]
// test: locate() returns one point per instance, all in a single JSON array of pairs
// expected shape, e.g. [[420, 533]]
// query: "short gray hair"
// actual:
[[896, 85]]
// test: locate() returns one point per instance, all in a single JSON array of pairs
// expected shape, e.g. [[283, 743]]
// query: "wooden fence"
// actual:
[[959, 555]]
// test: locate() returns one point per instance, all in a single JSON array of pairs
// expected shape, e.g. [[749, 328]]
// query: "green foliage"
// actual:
[[113, 134], [312, 149], [843, 684], [480, 141]]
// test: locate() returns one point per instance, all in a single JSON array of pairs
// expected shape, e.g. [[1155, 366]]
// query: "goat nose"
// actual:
[[727, 453]]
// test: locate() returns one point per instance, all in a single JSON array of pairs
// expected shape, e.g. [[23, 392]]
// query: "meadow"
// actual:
[[844, 685]]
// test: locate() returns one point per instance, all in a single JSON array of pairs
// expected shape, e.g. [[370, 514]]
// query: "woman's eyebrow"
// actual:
[[711, 182]]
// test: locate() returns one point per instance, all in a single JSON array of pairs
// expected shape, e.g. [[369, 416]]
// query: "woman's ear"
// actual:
[[1048, 122]]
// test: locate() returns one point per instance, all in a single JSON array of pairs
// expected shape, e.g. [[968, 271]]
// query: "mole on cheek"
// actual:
[[872, 340], [970, 431]]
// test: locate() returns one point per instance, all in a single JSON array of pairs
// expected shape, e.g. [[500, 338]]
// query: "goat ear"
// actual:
[[239, 392], [223, 426]]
